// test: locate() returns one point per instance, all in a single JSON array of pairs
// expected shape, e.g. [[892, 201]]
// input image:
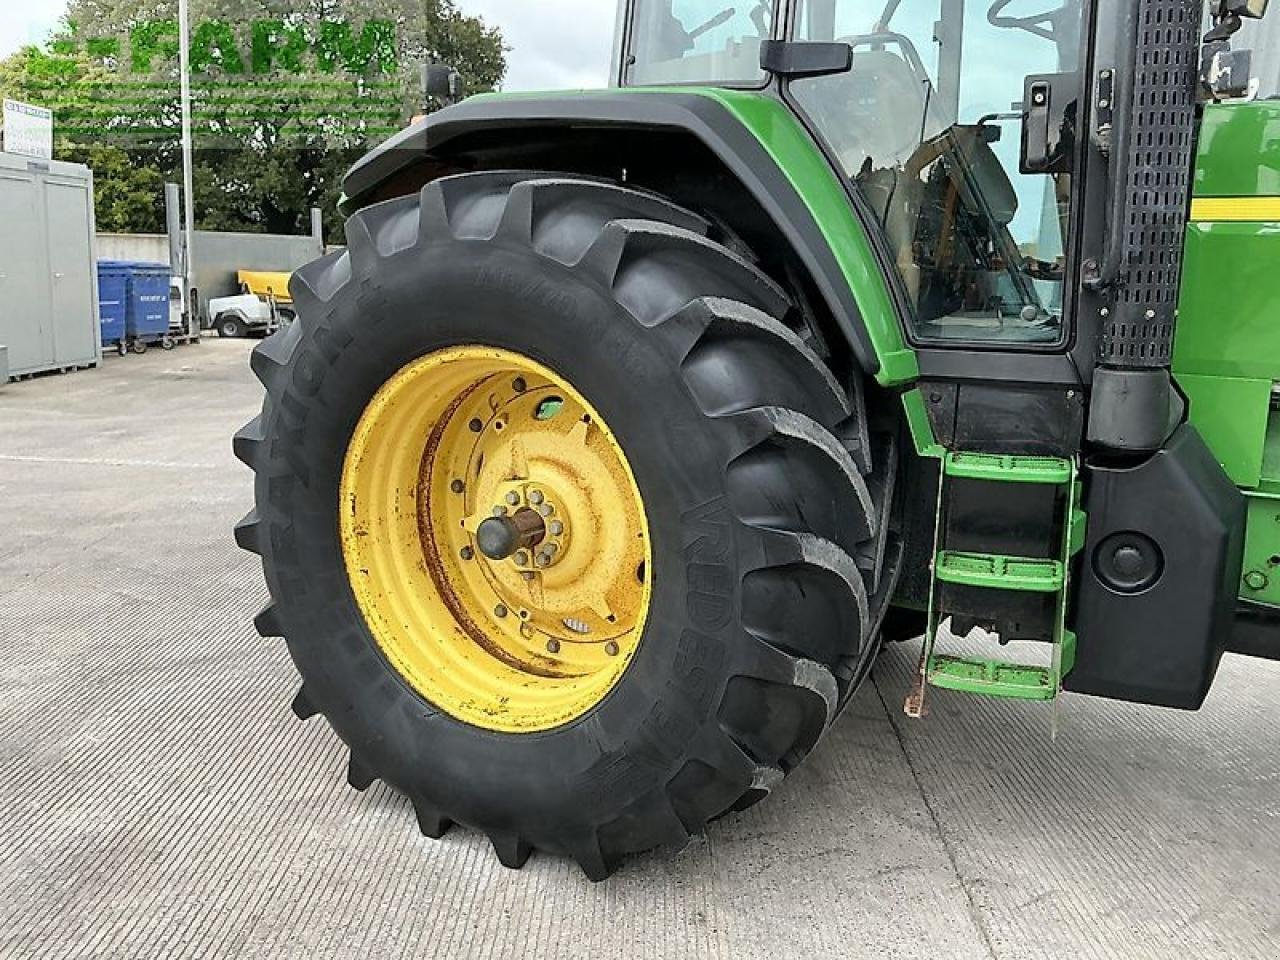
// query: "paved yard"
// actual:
[[157, 798]]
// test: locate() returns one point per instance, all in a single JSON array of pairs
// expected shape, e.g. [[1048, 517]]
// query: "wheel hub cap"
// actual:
[[495, 539]]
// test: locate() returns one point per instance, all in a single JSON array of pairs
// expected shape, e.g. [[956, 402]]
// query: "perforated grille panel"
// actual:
[[1138, 332]]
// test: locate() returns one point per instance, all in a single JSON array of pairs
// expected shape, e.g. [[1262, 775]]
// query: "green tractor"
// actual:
[[631, 424]]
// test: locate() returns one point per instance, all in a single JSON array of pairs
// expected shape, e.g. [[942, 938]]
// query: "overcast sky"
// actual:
[[557, 45]]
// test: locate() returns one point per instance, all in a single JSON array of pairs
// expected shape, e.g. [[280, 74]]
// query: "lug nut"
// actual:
[[500, 610], [553, 646], [536, 497], [556, 528], [499, 511], [546, 510], [522, 559], [544, 560], [513, 498], [611, 648]]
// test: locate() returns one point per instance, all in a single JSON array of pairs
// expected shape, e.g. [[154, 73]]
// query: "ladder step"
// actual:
[[992, 572], [990, 678], [1009, 469]]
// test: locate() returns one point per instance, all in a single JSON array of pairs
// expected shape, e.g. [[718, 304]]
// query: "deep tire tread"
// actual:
[[360, 776], [302, 706], [713, 307]]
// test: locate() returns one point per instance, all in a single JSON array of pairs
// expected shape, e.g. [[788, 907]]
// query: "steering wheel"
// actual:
[[1041, 24]]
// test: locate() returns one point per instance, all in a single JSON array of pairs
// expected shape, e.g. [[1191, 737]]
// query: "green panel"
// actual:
[[1238, 153], [922, 434], [1009, 469], [1262, 546], [1261, 581], [992, 572], [819, 186], [1232, 417], [991, 678], [794, 150], [1229, 314]]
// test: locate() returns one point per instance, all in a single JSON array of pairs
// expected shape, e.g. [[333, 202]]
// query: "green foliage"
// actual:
[[287, 94], [125, 192]]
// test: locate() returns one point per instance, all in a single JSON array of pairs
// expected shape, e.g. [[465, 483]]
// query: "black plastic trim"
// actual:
[[701, 117], [1256, 632], [1162, 645], [1039, 368], [795, 59]]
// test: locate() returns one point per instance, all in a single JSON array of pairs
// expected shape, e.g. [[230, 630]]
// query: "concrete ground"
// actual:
[[157, 798]]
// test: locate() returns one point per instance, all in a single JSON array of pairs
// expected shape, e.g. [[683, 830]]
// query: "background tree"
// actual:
[[277, 122]]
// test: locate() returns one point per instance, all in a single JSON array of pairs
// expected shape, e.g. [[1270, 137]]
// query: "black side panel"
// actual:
[[1256, 633], [1158, 579], [1006, 418], [445, 134]]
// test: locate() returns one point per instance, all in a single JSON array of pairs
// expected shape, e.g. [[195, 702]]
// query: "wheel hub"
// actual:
[[502, 536], [495, 539]]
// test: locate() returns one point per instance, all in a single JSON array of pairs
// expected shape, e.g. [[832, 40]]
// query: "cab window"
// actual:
[[698, 41], [928, 125]]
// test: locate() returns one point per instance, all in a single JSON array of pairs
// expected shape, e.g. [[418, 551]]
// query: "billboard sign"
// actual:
[[28, 130]]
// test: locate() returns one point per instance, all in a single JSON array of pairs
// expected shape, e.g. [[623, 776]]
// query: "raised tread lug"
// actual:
[[433, 213], [359, 776], [513, 852], [270, 358], [734, 315], [772, 665], [267, 622], [302, 706], [591, 859], [431, 822], [248, 443], [778, 424], [248, 533]]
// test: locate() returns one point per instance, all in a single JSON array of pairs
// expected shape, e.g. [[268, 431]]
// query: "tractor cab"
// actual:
[[927, 122]]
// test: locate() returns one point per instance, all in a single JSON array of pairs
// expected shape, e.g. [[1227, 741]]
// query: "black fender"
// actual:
[[497, 132]]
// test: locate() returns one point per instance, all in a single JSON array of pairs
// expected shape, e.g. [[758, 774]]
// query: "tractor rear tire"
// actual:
[[750, 459]]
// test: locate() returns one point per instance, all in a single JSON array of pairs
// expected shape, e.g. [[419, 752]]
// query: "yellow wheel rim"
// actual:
[[521, 642]]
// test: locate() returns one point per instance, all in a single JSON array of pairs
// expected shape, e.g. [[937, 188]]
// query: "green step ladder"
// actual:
[[994, 678]]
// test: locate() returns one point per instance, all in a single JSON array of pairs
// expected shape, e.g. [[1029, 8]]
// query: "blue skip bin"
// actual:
[[146, 299], [113, 304]]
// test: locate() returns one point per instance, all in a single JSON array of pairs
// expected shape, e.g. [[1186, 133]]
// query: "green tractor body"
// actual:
[[971, 312]]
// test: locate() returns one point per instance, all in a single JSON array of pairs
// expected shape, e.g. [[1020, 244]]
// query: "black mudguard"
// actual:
[[486, 133]]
